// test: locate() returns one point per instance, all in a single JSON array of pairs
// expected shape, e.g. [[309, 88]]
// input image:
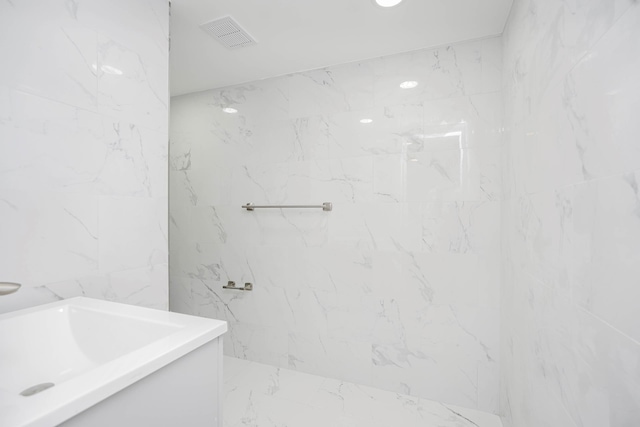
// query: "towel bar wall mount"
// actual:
[[232, 285]]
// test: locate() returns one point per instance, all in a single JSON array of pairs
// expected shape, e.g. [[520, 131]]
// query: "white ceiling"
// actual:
[[298, 35]]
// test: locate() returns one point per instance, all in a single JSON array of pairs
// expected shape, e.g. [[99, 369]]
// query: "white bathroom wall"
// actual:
[[398, 286], [570, 351], [83, 150]]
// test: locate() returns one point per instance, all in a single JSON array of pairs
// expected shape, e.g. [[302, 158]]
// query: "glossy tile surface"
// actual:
[[266, 396], [571, 225], [397, 287], [83, 150]]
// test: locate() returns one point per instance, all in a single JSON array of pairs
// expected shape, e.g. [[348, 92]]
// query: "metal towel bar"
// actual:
[[326, 206]]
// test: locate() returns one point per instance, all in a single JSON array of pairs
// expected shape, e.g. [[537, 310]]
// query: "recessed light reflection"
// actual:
[[410, 84], [366, 121], [387, 3], [111, 70], [108, 69], [229, 110]]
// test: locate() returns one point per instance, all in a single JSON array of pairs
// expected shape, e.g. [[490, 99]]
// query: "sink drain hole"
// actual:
[[36, 389]]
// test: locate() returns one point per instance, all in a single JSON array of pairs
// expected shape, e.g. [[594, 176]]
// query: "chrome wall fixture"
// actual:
[[7, 288], [232, 285], [326, 206]]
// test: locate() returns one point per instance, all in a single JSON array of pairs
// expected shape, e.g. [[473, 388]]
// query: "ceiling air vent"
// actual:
[[228, 32]]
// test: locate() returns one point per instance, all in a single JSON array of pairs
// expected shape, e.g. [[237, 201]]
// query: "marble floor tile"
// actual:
[[261, 395]]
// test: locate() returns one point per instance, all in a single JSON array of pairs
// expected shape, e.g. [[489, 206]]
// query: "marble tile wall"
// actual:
[[398, 286], [84, 150], [570, 325]]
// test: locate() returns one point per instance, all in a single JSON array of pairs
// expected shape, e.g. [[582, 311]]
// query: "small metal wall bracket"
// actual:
[[232, 285]]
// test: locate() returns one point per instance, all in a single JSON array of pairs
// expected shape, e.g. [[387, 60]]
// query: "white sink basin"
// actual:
[[88, 349]]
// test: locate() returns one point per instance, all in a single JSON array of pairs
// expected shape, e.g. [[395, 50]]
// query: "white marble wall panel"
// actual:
[[331, 90], [83, 150], [65, 228], [570, 337], [397, 287]]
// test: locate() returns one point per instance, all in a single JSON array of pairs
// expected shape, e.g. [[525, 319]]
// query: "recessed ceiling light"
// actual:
[[366, 121], [408, 84], [387, 3], [229, 110]]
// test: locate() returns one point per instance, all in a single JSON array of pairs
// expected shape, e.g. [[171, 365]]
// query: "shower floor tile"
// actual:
[[266, 396]]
